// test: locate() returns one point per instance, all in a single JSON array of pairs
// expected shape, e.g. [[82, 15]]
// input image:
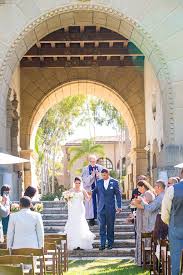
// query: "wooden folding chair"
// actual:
[[60, 253], [181, 263], [146, 251], [3, 245], [38, 252], [169, 264], [160, 260], [62, 240], [15, 260], [51, 250], [11, 270], [4, 252]]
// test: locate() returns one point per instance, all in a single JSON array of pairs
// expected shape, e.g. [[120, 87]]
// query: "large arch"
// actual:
[[37, 19], [152, 26], [86, 88]]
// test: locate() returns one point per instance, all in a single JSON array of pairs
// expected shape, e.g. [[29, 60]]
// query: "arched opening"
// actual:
[[85, 14], [71, 15], [87, 88]]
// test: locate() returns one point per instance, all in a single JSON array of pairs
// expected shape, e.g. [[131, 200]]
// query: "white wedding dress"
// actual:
[[76, 228]]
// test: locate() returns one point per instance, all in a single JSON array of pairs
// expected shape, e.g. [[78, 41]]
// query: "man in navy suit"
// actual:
[[107, 190]]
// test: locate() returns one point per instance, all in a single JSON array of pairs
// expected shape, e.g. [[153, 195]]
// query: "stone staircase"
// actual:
[[55, 216]]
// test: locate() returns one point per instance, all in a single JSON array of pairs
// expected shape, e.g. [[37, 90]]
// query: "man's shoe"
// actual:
[[101, 247], [92, 222], [109, 247]]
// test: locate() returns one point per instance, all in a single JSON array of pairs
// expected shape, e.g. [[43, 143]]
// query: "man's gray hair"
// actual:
[[161, 184], [92, 157]]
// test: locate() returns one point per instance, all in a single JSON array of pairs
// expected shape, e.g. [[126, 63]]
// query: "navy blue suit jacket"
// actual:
[[107, 197]]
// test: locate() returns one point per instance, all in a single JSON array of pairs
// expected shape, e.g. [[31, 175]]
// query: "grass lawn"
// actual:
[[102, 267]]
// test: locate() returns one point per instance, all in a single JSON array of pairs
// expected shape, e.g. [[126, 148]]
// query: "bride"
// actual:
[[78, 234]]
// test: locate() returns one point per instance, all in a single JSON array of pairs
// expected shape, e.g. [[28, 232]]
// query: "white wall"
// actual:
[[154, 127]]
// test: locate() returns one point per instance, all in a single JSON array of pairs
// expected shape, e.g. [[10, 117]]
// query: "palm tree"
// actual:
[[87, 147]]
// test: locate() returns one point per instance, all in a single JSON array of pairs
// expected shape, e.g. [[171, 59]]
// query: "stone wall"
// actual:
[[41, 88]]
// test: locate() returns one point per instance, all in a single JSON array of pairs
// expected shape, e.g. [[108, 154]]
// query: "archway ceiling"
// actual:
[[82, 46]]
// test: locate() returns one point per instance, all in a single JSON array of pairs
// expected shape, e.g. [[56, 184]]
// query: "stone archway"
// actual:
[[87, 88], [31, 22], [131, 111], [44, 18]]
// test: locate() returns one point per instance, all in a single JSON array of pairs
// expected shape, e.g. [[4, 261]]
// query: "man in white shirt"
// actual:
[[25, 228], [172, 214]]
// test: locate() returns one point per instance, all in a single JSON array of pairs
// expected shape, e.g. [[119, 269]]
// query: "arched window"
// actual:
[[107, 163]]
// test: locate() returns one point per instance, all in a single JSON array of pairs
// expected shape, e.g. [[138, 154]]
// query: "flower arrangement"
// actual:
[[38, 207], [67, 195], [15, 207]]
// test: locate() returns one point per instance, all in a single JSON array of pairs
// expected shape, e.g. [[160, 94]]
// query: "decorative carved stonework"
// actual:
[[15, 126]]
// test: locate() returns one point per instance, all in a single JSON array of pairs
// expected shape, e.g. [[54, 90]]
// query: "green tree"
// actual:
[[53, 131], [87, 147]]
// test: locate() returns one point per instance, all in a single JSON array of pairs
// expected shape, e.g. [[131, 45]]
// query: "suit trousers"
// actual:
[[176, 246], [106, 218]]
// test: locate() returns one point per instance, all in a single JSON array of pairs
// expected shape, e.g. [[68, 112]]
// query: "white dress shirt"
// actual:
[[106, 183]]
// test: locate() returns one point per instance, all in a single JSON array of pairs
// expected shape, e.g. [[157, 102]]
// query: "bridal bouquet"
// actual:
[[67, 195], [15, 207], [38, 207]]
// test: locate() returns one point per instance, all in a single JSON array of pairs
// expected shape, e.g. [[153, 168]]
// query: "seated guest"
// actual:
[[25, 228], [142, 220], [5, 190], [135, 194], [155, 206], [154, 209], [171, 214], [172, 181], [4, 212], [30, 192]]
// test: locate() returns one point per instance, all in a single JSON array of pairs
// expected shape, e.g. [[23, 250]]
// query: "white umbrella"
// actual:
[[9, 159], [180, 165]]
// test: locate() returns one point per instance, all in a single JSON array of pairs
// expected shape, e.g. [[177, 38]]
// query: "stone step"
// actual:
[[118, 235], [53, 204], [115, 252], [65, 211], [62, 222], [121, 228], [60, 216], [118, 244]]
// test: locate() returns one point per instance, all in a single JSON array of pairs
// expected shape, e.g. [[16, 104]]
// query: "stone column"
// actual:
[[27, 177], [139, 160], [137, 166]]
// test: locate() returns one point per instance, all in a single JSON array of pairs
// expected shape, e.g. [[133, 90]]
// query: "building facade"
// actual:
[[115, 152], [137, 65]]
